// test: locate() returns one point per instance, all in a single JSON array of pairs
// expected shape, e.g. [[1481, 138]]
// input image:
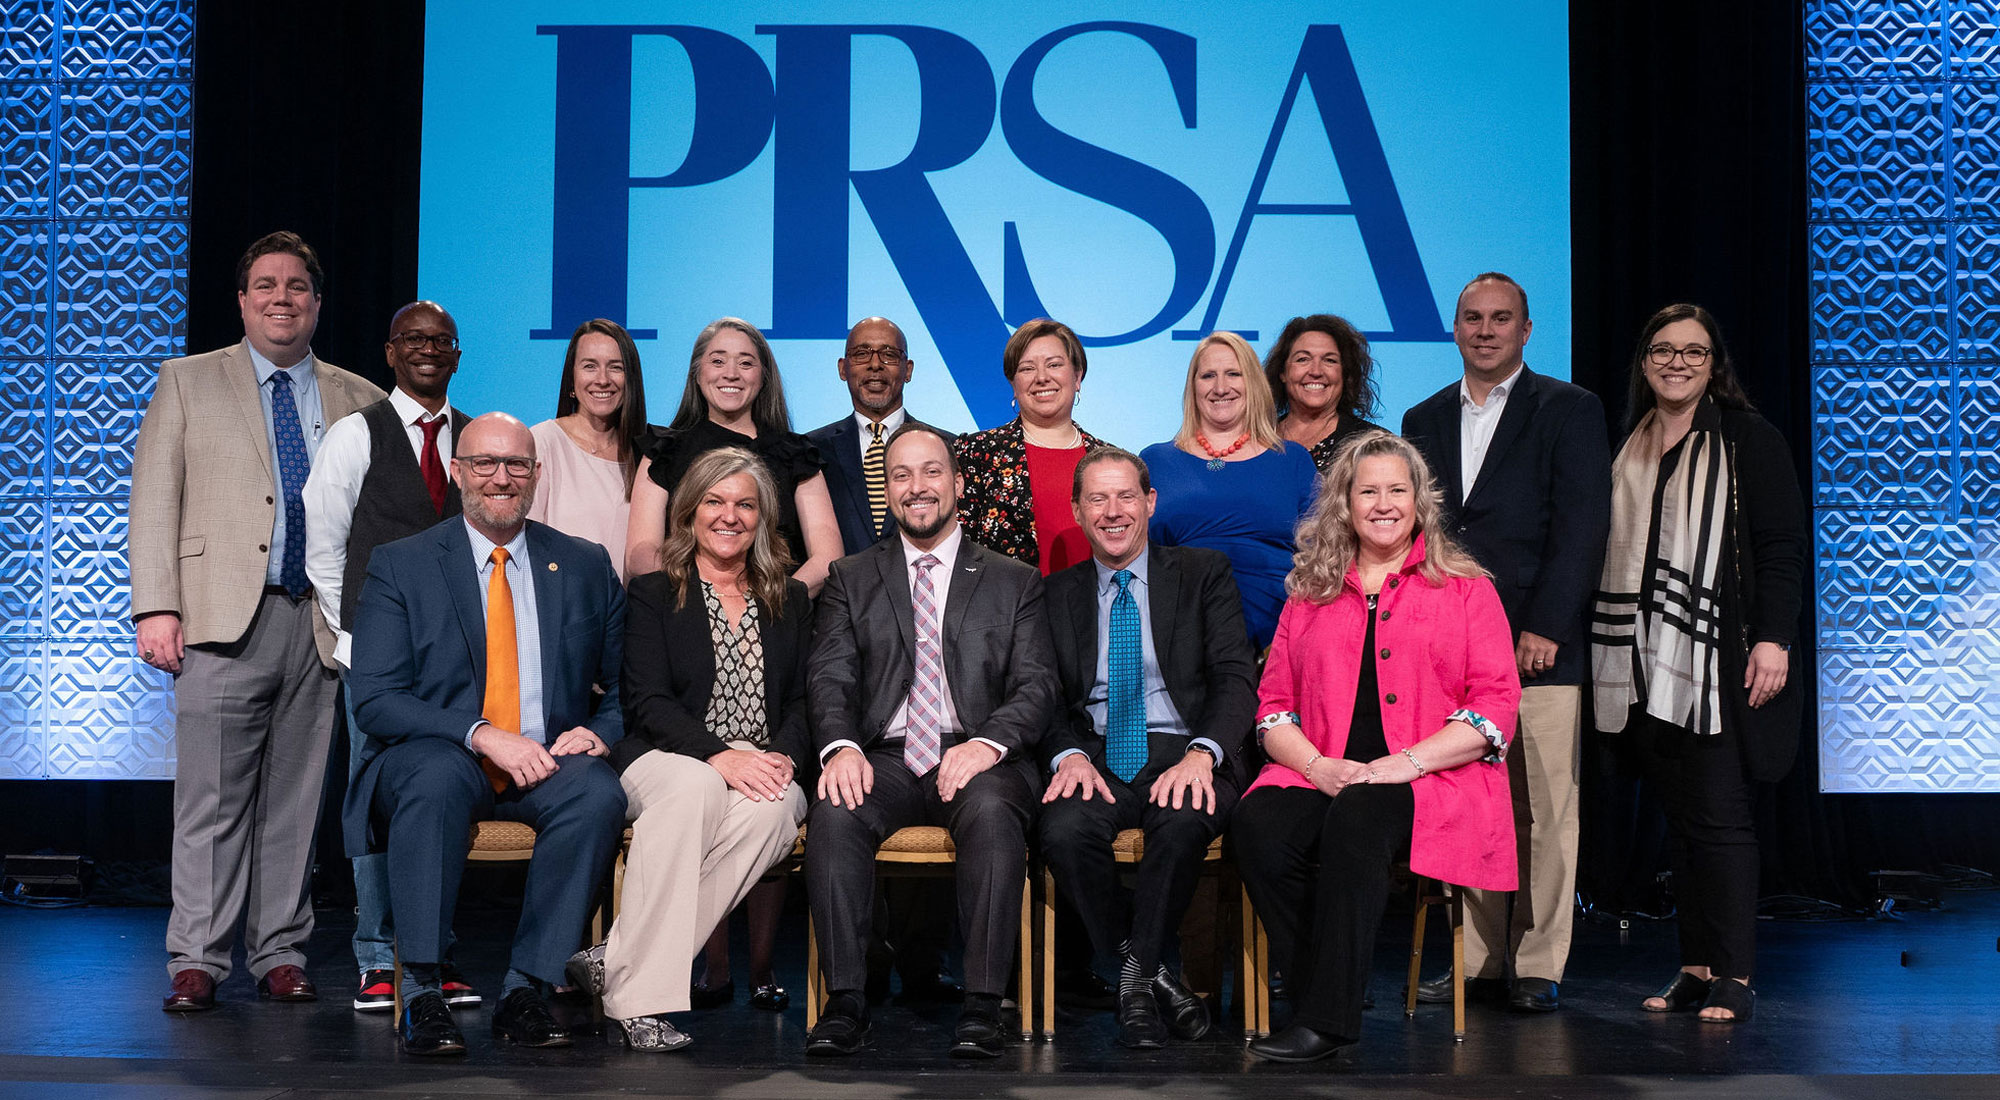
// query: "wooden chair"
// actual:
[[493, 842], [1126, 850], [923, 850], [1431, 892]]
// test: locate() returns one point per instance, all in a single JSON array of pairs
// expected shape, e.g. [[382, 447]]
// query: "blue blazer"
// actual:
[[1540, 508], [420, 646], [840, 444]]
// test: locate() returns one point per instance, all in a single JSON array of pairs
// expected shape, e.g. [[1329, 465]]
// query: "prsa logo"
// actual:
[[739, 108]]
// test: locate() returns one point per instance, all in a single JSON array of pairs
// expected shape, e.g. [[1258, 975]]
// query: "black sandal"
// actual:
[[1733, 995], [1684, 992]]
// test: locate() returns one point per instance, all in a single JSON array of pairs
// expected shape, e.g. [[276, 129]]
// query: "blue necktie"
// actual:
[[293, 465], [1125, 664]]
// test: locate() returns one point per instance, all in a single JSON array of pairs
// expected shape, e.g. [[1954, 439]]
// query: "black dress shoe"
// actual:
[[702, 997], [1187, 1014], [426, 1027], [1139, 1023], [978, 1032], [1534, 995], [1298, 1043], [523, 1019], [936, 986], [771, 997], [842, 1028], [1437, 991], [1084, 989]]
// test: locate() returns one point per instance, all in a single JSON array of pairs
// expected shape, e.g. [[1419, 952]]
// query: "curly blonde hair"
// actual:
[[1327, 543]]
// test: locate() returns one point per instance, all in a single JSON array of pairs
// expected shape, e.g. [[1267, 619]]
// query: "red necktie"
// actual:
[[432, 467]]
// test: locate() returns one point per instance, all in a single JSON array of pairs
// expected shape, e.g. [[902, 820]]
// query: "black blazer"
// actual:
[[839, 446], [997, 658], [1198, 635], [669, 675], [1540, 508]]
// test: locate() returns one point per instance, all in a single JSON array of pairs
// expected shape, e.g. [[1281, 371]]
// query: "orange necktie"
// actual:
[[502, 706]]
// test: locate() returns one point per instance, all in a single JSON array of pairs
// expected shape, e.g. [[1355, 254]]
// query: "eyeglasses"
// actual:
[[442, 342], [888, 357], [485, 465], [1693, 355]]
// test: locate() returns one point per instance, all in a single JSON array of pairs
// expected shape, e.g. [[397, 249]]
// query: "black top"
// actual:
[[393, 502], [789, 456], [1366, 740]]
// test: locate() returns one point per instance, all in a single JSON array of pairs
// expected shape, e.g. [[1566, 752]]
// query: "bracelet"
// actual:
[[1416, 763], [1308, 773]]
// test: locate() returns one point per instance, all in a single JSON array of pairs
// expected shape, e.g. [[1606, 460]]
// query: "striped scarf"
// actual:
[[1656, 623]]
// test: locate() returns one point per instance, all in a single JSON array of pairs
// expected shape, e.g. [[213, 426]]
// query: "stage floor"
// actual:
[[1907, 1008]]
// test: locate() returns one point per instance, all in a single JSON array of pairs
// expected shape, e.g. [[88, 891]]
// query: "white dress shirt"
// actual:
[[1475, 426], [330, 495], [889, 425]]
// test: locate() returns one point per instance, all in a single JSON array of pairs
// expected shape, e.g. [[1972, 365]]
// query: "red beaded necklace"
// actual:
[[1215, 457]]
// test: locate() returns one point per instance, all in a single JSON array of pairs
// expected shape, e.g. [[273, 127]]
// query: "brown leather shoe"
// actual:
[[286, 983], [193, 991]]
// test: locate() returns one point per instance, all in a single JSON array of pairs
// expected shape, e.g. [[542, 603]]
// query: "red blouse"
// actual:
[[1058, 538]]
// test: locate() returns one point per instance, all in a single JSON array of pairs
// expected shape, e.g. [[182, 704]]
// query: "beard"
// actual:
[[947, 510], [504, 517]]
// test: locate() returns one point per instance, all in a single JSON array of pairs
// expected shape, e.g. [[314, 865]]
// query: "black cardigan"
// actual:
[[669, 675]]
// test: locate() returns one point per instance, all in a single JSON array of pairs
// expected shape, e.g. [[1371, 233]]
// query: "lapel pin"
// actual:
[[552, 567]]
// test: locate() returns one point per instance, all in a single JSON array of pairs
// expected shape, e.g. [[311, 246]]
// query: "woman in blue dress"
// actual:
[[1229, 481]]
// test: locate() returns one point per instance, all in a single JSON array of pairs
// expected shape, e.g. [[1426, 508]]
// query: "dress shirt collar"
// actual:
[[1500, 390], [1106, 574], [889, 424], [946, 551], [300, 371], [482, 547], [409, 411]]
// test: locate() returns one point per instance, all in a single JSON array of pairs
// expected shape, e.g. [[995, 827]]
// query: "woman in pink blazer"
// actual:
[[1385, 710]]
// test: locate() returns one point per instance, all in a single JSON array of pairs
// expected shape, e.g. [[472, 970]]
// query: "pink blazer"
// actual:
[[1439, 650]]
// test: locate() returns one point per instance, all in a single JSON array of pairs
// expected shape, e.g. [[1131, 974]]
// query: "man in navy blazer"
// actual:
[[1525, 465], [437, 763], [876, 367]]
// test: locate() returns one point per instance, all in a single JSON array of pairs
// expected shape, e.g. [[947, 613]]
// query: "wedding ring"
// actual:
[[148, 655]]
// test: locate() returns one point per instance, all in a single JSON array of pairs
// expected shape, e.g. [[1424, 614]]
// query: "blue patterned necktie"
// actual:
[[293, 465], [1125, 664]]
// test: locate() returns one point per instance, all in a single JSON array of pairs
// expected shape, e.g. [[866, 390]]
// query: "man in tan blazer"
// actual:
[[221, 602]]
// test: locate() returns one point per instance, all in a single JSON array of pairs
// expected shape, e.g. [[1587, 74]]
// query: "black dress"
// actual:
[[789, 456]]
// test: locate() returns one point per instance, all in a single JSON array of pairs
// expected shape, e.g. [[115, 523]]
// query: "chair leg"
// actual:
[[1246, 968], [1048, 990], [1457, 909], [1416, 951], [815, 983], [396, 947], [617, 885], [1263, 981], [1024, 982]]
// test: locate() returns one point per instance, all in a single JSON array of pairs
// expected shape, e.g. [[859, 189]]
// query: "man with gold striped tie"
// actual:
[[477, 645], [876, 367]]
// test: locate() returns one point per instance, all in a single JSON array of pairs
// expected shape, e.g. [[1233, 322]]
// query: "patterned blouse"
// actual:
[[1325, 450], [998, 508], [736, 708]]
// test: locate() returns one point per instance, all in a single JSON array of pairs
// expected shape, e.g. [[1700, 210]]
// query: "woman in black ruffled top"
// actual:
[[735, 398]]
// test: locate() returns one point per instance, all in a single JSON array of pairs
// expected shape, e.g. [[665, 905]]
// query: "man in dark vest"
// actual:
[[381, 477]]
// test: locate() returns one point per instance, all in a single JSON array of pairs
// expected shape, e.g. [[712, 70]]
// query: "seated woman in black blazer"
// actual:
[[715, 734]]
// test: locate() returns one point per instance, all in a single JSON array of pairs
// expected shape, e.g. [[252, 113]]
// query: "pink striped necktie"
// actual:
[[921, 750]]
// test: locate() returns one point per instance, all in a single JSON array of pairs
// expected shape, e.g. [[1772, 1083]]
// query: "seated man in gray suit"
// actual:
[[931, 682], [1159, 691], [476, 647]]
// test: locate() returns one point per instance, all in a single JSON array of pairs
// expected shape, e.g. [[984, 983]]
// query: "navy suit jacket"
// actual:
[[420, 646], [840, 444], [1540, 508]]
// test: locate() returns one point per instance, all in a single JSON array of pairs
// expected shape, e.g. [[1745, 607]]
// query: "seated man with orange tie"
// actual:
[[476, 647]]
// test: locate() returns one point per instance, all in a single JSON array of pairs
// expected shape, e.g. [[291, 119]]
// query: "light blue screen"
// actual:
[[962, 168]]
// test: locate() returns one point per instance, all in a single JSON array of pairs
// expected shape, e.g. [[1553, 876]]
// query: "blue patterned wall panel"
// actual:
[[27, 125], [24, 426], [96, 113], [1903, 106]]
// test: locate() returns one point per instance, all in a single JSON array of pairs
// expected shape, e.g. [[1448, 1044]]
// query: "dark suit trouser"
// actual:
[[1323, 921], [430, 792], [988, 820], [1076, 835], [254, 725]]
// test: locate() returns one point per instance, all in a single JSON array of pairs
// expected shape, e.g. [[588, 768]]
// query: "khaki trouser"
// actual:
[[1542, 769]]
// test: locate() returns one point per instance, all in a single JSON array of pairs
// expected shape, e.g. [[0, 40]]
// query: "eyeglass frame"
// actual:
[[1694, 355], [444, 343], [493, 464], [865, 355]]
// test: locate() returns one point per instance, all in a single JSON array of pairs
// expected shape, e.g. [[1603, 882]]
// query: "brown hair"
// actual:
[[1723, 387], [769, 563], [767, 409], [284, 240], [632, 413], [1017, 346], [1357, 368]]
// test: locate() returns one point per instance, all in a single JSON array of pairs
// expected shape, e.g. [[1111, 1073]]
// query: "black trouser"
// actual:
[[988, 820], [1322, 923], [1076, 836], [1711, 824]]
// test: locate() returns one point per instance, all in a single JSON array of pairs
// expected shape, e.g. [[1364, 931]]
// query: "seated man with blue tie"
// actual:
[[1159, 692], [477, 645], [930, 683]]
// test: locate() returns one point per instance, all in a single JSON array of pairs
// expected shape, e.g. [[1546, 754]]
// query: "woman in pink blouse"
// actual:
[[591, 448], [1385, 710]]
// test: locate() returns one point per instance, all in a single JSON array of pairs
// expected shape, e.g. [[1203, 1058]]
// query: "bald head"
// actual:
[[875, 367], [496, 472]]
